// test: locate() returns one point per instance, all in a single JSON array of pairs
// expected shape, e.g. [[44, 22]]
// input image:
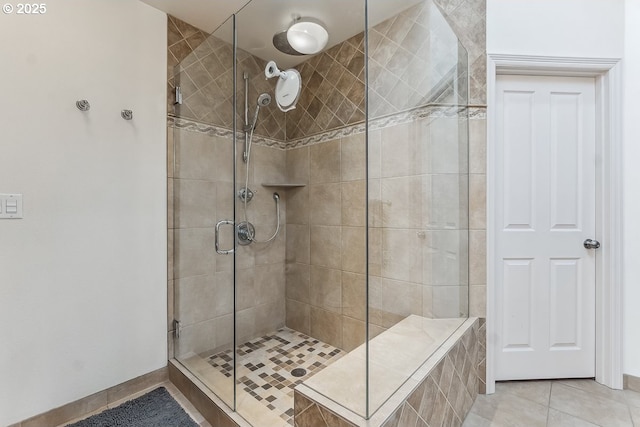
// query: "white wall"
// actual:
[[631, 185], [83, 275], [579, 28], [589, 28]]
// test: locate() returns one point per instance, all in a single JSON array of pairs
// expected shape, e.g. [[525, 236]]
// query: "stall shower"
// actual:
[[318, 202]]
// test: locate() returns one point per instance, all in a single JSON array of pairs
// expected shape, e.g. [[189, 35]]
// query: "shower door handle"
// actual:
[[217, 240]]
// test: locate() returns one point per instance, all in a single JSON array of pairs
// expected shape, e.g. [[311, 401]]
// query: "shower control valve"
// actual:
[[245, 193]]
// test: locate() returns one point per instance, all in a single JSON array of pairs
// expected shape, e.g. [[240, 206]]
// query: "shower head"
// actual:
[[264, 100]]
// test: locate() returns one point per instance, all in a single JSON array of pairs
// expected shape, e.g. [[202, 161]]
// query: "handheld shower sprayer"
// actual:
[[264, 99]]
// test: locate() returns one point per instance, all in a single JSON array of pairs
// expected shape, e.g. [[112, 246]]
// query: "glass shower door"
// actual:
[[202, 218]]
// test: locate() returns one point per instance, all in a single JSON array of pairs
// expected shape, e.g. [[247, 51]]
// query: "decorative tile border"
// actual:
[[420, 113], [221, 132], [477, 112]]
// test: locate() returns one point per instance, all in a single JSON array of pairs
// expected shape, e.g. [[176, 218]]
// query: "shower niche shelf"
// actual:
[[284, 185]]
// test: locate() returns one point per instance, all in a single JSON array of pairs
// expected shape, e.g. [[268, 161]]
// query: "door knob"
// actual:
[[591, 244]]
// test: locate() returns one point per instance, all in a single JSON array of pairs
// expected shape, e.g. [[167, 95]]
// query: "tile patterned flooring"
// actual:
[[265, 366], [570, 403]]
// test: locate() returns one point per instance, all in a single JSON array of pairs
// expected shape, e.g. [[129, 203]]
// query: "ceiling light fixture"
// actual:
[[307, 37]]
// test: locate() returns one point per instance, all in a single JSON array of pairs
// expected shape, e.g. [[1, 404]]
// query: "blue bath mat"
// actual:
[[155, 409]]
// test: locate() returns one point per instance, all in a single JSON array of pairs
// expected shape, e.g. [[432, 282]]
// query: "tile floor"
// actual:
[[265, 366], [570, 403]]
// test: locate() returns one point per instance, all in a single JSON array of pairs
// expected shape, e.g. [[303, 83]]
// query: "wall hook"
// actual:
[[83, 105], [127, 114]]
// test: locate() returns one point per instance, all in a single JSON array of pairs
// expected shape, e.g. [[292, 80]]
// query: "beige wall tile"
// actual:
[[269, 283], [298, 205], [269, 317], [298, 316], [353, 203], [354, 300], [204, 336], [375, 251], [354, 255], [170, 204], [477, 146], [446, 262], [194, 203], [298, 165], [427, 301], [324, 162], [401, 150], [326, 289], [477, 257], [375, 203], [297, 282], [200, 156], [326, 326], [477, 202], [274, 251], [353, 333], [375, 154], [326, 246], [245, 324], [298, 243], [450, 301], [478, 301], [400, 299], [225, 199], [245, 255], [402, 200], [170, 254], [446, 201], [353, 160], [325, 204], [192, 249], [170, 155], [402, 255], [447, 148], [170, 304], [245, 288], [269, 164], [201, 298]]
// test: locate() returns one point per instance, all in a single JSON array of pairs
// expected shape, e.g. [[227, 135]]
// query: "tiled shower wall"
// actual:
[[323, 285], [417, 237], [202, 194]]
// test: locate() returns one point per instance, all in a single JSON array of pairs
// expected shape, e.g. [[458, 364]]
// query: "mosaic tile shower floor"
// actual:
[[265, 365]]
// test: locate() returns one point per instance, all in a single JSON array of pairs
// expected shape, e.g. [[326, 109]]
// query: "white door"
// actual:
[[545, 210]]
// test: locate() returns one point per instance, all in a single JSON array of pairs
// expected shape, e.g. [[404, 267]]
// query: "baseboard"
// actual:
[[631, 383], [96, 401]]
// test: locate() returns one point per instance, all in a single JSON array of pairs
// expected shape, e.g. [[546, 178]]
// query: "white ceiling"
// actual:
[[258, 20]]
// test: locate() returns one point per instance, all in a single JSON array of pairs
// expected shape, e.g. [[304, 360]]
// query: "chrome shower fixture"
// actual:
[[83, 105], [305, 36], [264, 99], [288, 85], [245, 193]]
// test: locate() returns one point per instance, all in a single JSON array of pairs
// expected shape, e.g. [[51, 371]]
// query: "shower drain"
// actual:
[[299, 372]]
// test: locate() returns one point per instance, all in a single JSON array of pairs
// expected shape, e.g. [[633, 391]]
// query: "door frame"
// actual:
[[608, 84]]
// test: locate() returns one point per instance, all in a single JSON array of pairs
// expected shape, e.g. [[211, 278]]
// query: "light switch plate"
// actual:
[[10, 206]]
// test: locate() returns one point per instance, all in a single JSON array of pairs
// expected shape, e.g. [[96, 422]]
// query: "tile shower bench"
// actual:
[[405, 389]]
